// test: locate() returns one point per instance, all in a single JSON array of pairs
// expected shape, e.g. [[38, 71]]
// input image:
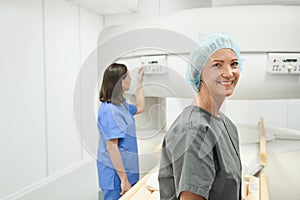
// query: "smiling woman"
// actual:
[[222, 69], [200, 153]]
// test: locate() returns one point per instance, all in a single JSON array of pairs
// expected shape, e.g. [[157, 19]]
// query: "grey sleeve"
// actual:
[[194, 170], [165, 176]]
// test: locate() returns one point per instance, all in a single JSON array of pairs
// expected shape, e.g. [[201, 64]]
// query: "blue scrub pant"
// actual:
[[111, 194]]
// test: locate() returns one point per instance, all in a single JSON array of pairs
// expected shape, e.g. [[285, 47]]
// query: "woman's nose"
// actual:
[[227, 71]]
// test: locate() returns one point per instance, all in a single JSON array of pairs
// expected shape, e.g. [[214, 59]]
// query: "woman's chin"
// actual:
[[228, 93]]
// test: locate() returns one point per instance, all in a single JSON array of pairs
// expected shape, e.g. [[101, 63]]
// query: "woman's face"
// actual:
[[221, 73], [126, 82]]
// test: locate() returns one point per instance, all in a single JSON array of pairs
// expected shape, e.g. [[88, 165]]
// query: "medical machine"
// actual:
[[270, 44]]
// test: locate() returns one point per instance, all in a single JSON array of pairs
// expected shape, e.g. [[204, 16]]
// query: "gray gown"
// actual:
[[200, 154]]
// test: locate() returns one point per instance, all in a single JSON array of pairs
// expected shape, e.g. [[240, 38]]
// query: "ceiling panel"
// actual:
[[255, 2], [108, 7]]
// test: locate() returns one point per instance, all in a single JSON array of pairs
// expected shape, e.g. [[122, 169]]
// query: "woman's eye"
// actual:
[[234, 64], [216, 65]]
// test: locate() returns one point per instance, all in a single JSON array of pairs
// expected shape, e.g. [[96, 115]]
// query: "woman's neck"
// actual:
[[211, 105]]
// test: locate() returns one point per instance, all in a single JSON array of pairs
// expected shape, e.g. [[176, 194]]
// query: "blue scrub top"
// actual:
[[117, 122]]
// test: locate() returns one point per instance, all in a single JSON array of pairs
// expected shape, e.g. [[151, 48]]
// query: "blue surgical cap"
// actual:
[[207, 46]]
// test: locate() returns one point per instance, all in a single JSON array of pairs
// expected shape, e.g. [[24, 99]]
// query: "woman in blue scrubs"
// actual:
[[117, 160]]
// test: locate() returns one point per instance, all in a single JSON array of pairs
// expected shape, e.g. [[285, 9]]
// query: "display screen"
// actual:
[[290, 60]]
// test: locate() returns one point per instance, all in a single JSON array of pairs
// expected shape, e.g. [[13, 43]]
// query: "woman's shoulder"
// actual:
[[105, 107], [190, 125], [194, 115], [191, 118]]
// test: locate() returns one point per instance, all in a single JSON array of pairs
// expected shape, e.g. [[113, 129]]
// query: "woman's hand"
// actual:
[[125, 186], [186, 195]]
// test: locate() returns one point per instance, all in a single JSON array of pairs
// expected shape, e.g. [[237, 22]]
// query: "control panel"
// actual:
[[154, 64], [284, 63]]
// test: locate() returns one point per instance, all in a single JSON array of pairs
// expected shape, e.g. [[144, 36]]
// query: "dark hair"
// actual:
[[111, 89]]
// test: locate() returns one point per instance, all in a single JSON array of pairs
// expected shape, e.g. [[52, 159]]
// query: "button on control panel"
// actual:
[[284, 63]]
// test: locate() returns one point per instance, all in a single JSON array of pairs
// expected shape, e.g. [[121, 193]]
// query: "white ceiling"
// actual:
[[110, 7]]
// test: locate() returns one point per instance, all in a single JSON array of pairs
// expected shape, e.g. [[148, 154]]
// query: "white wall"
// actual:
[[61, 64], [22, 129], [43, 44], [282, 113]]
